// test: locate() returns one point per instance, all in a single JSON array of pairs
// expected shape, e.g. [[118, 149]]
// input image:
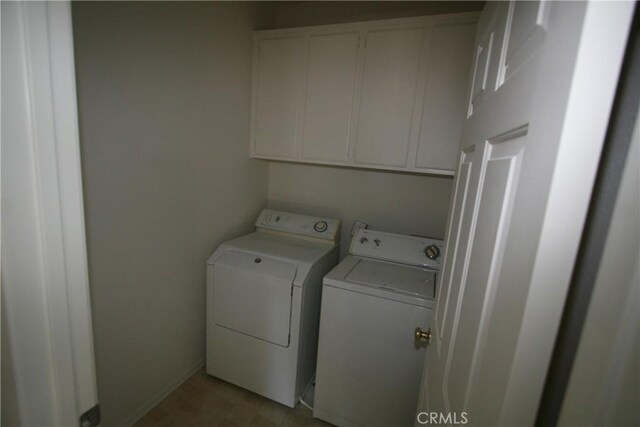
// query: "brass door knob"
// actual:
[[423, 335]]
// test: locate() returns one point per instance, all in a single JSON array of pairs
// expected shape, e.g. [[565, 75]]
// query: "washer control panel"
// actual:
[[310, 226], [412, 250]]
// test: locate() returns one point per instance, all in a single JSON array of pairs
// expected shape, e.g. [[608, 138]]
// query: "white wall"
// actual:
[[164, 99], [389, 201]]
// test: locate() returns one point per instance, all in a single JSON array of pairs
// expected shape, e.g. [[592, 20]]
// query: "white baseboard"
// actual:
[[146, 407]]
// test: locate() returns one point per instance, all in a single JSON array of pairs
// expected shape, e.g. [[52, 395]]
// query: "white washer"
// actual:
[[263, 303], [369, 362]]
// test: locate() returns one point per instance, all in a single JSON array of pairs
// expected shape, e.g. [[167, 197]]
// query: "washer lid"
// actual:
[[399, 278]]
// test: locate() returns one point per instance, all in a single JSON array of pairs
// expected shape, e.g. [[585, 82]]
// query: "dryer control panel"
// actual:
[[303, 225], [412, 250]]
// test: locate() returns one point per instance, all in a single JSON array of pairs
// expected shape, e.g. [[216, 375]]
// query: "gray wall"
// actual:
[[301, 13], [164, 107], [394, 202], [402, 203]]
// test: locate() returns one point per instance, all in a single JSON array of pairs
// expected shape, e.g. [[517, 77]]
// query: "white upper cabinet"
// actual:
[[445, 96], [389, 87], [277, 86], [329, 95], [380, 94]]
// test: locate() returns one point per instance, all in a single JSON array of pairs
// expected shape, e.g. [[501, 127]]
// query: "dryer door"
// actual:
[[252, 295]]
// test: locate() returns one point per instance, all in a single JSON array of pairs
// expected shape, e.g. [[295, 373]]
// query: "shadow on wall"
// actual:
[[387, 201], [299, 14], [164, 92]]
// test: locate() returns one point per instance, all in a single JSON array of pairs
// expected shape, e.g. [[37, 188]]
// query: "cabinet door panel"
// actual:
[[389, 86], [330, 86], [445, 96], [278, 81]]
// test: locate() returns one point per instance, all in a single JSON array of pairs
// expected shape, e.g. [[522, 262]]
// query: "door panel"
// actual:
[[389, 87], [501, 170], [526, 23], [432, 393], [330, 91], [456, 237], [481, 71], [488, 51]]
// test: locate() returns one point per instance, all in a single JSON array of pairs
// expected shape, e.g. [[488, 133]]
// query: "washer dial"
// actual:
[[320, 226], [432, 252]]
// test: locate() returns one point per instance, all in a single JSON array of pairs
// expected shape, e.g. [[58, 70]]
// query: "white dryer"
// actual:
[[263, 303], [369, 361]]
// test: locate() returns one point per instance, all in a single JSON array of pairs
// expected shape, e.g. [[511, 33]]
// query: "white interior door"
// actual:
[[542, 87]]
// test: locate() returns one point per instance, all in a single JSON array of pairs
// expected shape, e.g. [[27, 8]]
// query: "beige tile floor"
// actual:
[[203, 400]]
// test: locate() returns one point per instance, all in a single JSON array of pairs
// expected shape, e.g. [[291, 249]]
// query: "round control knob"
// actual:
[[320, 226], [432, 252]]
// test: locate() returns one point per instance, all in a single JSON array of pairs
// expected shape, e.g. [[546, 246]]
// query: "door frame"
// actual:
[[622, 125], [46, 311]]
